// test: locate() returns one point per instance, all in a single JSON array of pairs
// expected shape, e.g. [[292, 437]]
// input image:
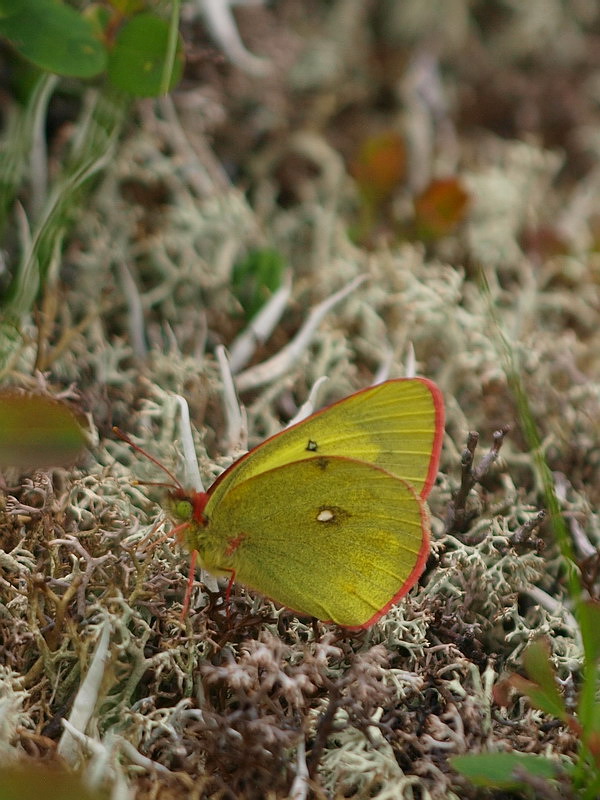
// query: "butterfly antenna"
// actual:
[[164, 484], [123, 436]]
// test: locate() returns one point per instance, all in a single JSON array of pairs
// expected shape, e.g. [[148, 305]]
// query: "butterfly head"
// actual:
[[188, 506]]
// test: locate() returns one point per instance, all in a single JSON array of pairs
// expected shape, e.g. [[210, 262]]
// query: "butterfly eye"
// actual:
[[183, 510]]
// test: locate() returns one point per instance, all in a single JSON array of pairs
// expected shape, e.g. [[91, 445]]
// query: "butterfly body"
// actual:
[[328, 517]]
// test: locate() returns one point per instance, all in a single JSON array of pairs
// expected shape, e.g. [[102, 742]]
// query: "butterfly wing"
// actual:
[[330, 537], [397, 425]]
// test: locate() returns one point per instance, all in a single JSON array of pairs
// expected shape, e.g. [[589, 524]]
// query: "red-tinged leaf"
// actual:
[[593, 743], [380, 166], [544, 242], [440, 208], [37, 431], [501, 692], [127, 7]]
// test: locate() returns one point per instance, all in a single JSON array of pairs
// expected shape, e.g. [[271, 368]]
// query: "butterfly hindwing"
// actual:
[[327, 536]]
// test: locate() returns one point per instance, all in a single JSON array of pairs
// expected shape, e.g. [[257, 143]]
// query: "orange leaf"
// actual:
[[380, 166], [440, 208]]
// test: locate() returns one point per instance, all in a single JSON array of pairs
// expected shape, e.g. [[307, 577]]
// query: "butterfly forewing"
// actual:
[[396, 425]]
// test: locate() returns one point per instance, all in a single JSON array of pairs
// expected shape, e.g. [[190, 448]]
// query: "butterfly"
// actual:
[[327, 517]]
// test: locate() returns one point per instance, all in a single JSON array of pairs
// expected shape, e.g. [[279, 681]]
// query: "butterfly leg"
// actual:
[[190, 585], [228, 592]]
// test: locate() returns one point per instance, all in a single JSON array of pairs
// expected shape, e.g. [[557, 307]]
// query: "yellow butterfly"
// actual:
[[327, 517]]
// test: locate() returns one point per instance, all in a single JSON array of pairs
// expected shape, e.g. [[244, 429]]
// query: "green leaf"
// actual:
[[53, 36], [9, 8], [256, 277], [37, 431], [497, 770], [539, 667], [589, 622], [549, 703], [588, 708], [33, 782], [137, 61]]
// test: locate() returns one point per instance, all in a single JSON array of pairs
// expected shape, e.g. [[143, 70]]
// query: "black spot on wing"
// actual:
[[312, 446]]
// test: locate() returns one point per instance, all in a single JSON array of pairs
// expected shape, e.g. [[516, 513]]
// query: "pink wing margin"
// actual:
[[440, 421], [417, 570]]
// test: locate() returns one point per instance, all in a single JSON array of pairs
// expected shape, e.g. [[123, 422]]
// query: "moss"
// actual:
[[240, 705]]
